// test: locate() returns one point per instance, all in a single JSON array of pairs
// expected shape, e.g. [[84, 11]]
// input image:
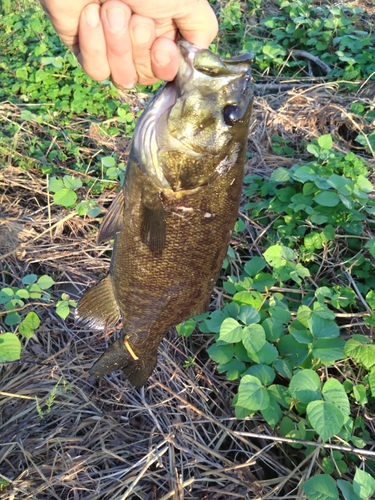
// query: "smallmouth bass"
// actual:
[[173, 219]]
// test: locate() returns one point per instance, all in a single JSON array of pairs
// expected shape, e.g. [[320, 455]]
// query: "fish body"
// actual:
[[173, 219]]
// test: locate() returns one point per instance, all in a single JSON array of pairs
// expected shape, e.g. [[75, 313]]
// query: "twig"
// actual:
[[306, 55]]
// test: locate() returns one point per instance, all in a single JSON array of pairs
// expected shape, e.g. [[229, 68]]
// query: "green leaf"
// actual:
[[6, 294], [264, 373], [280, 394], [359, 393], [248, 315], [29, 279], [65, 197], [34, 290], [252, 395], [280, 313], [62, 309], [281, 175], [325, 141], [108, 161], [304, 174], [361, 351], [274, 329], [29, 324], [326, 419], [45, 282], [230, 331], [299, 332], [263, 281], [347, 490], [71, 182], [329, 350], [334, 392], [370, 297], [221, 353], [272, 414], [186, 328], [254, 299], [10, 347], [305, 386], [254, 266], [327, 199], [322, 328], [266, 355], [233, 368], [253, 338], [283, 367], [292, 350], [12, 319], [364, 184], [55, 184], [320, 487], [363, 484], [371, 380]]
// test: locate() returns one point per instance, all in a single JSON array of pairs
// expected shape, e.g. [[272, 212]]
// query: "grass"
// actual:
[[197, 430]]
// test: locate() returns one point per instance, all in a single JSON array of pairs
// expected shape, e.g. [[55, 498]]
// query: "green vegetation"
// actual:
[[293, 325]]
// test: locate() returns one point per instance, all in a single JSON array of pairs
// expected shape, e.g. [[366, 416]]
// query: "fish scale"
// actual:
[[173, 219]]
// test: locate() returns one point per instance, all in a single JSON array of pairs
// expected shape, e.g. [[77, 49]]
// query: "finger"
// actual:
[[92, 45], [142, 32], [165, 58], [197, 22], [115, 17]]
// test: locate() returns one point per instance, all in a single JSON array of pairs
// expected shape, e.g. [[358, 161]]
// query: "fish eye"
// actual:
[[230, 114]]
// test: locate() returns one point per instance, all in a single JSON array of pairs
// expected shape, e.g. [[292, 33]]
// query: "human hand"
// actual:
[[130, 40]]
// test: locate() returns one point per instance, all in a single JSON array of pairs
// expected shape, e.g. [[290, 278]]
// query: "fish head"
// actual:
[[197, 127]]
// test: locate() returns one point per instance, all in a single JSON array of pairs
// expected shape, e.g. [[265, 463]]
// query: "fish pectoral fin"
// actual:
[[153, 226], [113, 221], [136, 366], [98, 306], [203, 307]]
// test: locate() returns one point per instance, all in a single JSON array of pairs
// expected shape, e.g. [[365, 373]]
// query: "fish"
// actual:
[[172, 221]]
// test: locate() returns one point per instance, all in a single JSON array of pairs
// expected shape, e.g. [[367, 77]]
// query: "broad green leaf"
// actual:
[[34, 290], [55, 184], [323, 328], [347, 490], [71, 182], [371, 379], [253, 338], [300, 333], [263, 281], [326, 419], [361, 351], [327, 199], [230, 331], [62, 309], [325, 141], [233, 368], [22, 294], [359, 393], [364, 184], [329, 350], [10, 347], [281, 175], [334, 392], [248, 315], [252, 395], [45, 282], [29, 279], [108, 161], [272, 414], [292, 350], [65, 197], [274, 329], [264, 373], [6, 294], [254, 266], [283, 367], [254, 299], [12, 319], [342, 184], [304, 174], [281, 395], [370, 297], [186, 328], [266, 355], [280, 313], [363, 484], [221, 353], [305, 386], [320, 487]]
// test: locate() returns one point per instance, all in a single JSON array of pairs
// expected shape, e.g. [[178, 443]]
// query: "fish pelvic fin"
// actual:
[[113, 221], [137, 366], [98, 307]]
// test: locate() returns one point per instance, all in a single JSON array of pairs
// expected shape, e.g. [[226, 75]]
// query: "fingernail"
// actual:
[[142, 33], [161, 57], [116, 18], [92, 15], [123, 87]]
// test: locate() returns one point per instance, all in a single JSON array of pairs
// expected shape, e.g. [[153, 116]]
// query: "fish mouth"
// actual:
[[196, 64]]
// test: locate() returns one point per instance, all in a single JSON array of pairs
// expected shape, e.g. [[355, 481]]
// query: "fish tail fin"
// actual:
[[136, 366], [98, 306]]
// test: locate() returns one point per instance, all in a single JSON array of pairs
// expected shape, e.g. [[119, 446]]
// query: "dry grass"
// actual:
[[64, 436]]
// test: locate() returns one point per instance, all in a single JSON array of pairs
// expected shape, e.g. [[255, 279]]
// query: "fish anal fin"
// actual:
[[113, 221], [137, 366], [98, 306], [153, 225]]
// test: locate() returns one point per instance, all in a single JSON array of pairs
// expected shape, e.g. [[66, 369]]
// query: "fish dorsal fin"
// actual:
[[113, 221], [98, 306], [153, 225]]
